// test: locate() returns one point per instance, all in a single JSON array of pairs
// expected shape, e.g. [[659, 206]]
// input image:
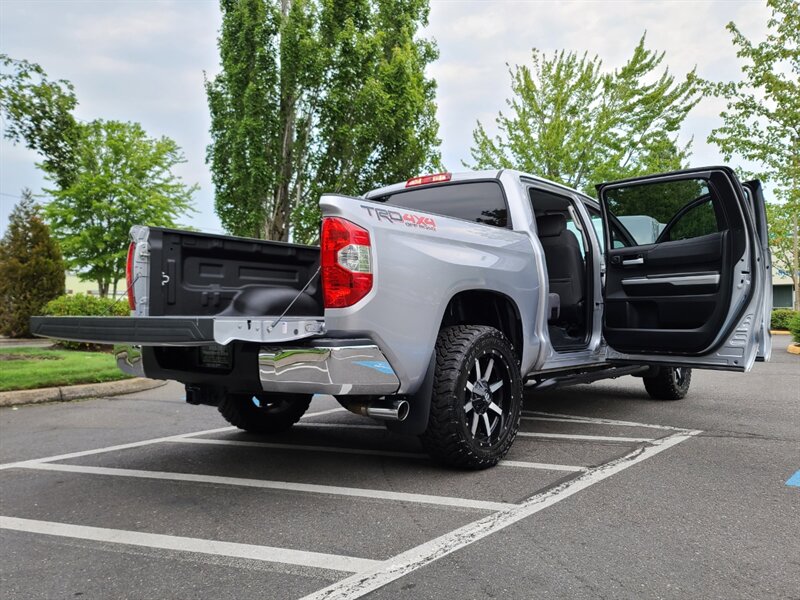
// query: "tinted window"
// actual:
[[617, 237], [698, 220], [671, 210], [481, 201]]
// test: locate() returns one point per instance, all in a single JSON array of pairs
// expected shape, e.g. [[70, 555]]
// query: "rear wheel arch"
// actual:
[[486, 307]]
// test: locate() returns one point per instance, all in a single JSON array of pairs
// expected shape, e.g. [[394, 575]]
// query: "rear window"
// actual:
[[480, 201]]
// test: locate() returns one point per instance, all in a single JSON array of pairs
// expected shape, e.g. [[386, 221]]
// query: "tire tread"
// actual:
[[236, 411], [664, 387], [441, 438]]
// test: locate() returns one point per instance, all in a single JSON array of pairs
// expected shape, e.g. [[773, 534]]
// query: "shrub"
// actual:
[[781, 318], [794, 327], [31, 268], [84, 305]]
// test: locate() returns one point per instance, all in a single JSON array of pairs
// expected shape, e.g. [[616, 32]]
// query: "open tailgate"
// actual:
[[177, 331]]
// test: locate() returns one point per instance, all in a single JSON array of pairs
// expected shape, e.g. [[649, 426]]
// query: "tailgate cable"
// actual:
[[283, 314], [124, 294]]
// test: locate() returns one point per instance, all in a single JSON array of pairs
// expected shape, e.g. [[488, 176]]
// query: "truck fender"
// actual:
[[420, 405]]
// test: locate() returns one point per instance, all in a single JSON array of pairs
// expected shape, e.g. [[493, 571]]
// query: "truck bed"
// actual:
[[201, 274], [194, 289]]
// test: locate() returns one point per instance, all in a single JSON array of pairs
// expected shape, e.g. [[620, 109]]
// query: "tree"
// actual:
[[31, 268], [761, 121], [572, 122], [316, 96], [122, 178], [782, 219], [38, 112]]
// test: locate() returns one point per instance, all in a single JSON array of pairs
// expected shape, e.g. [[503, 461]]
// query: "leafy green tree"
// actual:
[[316, 96], [38, 112], [122, 178], [761, 121], [575, 123], [782, 218], [31, 268]]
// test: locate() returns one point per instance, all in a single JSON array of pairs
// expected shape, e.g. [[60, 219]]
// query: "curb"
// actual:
[[75, 392], [36, 343], [793, 349]]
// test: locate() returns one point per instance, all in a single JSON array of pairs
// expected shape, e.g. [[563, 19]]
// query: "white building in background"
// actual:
[[74, 285], [782, 291]]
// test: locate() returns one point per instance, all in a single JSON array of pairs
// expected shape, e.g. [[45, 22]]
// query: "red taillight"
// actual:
[[346, 262], [129, 276], [426, 179]]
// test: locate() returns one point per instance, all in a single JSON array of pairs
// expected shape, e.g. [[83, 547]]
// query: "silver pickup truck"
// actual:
[[431, 304]]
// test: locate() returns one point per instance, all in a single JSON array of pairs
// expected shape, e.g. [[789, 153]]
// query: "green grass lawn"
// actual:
[[29, 368]]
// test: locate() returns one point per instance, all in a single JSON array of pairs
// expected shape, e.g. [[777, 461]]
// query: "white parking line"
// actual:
[[186, 544], [365, 452], [276, 485], [341, 425], [170, 438], [543, 466], [563, 418], [583, 438], [361, 584], [324, 412], [563, 436], [596, 438], [25, 463], [276, 446]]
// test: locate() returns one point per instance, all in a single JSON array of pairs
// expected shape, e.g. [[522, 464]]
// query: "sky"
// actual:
[[145, 60]]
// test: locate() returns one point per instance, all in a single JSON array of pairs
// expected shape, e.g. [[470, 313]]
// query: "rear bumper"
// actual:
[[317, 366], [350, 367], [327, 367]]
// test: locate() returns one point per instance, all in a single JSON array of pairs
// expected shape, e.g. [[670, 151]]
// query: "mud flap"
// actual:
[[420, 402]]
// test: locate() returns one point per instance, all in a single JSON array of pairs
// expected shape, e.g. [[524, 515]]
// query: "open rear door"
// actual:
[[755, 195], [685, 277]]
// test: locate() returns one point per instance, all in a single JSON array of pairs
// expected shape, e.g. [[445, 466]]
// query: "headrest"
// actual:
[[551, 225]]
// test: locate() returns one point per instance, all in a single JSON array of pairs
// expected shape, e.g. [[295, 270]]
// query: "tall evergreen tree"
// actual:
[[316, 96], [31, 268]]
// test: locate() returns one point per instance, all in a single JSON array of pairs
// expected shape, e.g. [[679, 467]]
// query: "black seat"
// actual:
[[565, 266]]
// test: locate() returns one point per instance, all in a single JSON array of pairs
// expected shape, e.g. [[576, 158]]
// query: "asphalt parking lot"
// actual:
[[605, 494]]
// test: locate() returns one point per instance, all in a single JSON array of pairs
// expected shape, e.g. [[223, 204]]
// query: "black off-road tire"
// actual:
[[670, 383], [264, 413], [451, 437]]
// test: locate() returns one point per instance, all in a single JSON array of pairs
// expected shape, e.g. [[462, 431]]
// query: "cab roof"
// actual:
[[471, 176]]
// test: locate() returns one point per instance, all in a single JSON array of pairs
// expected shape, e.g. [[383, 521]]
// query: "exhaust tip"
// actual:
[[403, 408], [396, 410]]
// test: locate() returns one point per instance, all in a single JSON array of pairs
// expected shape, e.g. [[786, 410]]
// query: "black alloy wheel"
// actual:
[[477, 398]]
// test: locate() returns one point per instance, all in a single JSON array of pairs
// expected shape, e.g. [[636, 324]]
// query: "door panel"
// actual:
[[707, 249], [756, 197], [684, 292]]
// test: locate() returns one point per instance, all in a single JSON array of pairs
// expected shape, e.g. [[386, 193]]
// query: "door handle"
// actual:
[[633, 261]]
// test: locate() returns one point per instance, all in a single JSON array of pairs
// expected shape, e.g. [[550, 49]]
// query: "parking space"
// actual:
[[337, 507]]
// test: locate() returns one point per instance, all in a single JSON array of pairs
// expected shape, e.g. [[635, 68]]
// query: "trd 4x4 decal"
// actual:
[[408, 219]]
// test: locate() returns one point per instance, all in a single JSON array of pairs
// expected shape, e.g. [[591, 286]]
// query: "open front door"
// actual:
[[685, 278]]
